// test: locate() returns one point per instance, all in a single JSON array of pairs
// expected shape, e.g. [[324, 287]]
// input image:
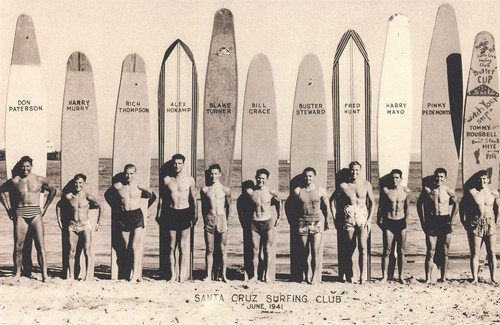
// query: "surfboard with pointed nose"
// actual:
[[131, 146], [259, 149], [26, 112], [178, 116], [79, 147], [481, 118]]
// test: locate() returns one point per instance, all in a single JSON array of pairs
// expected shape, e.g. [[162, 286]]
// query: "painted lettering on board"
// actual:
[[395, 108], [24, 105], [310, 109], [178, 107], [352, 108], [259, 109], [219, 108], [77, 105], [436, 109], [132, 106]]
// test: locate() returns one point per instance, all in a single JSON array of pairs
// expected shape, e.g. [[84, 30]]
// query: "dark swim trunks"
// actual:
[[395, 226], [438, 225], [179, 219], [130, 220], [262, 227]]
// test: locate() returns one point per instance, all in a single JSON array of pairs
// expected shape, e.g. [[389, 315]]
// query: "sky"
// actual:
[[107, 31]]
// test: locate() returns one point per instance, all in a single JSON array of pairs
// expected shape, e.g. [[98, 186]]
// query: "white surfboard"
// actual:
[[395, 101], [79, 141], [26, 111], [131, 140]]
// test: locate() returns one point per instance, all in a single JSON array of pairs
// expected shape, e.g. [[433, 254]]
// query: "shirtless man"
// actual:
[[124, 197], [433, 209], [261, 222], [357, 210], [312, 221], [215, 202], [391, 218], [179, 212], [76, 205], [20, 196], [479, 216]]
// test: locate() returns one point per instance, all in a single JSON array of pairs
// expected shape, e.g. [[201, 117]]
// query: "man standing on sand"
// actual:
[[215, 202], [23, 207], [355, 205], [391, 218], [74, 207], [479, 216], [177, 208], [433, 209], [312, 221], [261, 222], [124, 197]]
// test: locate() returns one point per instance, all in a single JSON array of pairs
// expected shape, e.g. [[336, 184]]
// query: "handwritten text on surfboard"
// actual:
[[310, 109], [219, 108], [24, 105], [133, 107], [178, 107], [395, 108]]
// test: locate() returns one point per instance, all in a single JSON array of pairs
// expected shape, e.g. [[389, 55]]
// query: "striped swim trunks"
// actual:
[[28, 211]]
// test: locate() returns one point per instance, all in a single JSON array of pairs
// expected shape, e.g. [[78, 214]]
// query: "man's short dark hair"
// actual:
[[26, 159], [82, 176], [215, 166], [178, 156], [441, 170], [482, 173], [396, 171], [308, 169], [262, 171], [128, 166], [355, 163]]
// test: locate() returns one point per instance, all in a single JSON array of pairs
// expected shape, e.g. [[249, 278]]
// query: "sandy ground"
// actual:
[[157, 302]]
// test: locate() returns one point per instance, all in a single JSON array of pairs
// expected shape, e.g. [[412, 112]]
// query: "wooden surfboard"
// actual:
[[351, 115], [481, 119], [79, 145], [26, 113], [131, 143], [220, 102], [259, 146], [178, 112], [395, 101], [308, 148], [442, 106]]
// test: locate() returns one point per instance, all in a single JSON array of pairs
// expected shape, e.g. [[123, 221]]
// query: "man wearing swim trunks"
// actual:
[[312, 221], [436, 217], [177, 208], [262, 222], [124, 197], [20, 196], [391, 218], [479, 216], [215, 202], [355, 205], [74, 207]]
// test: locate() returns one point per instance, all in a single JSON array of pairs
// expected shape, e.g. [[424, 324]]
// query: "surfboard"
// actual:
[[442, 104], [351, 115], [395, 100], [307, 148], [259, 146], [79, 145], [131, 144], [26, 112], [220, 102], [481, 118], [178, 112]]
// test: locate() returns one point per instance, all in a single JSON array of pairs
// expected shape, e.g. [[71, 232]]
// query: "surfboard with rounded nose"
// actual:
[[259, 149], [308, 148], [395, 103], [178, 113], [351, 117], [481, 118], [442, 105], [26, 112], [79, 146], [131, 146], [220, 103]]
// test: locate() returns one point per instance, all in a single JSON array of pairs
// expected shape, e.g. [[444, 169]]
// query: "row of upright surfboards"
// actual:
[[445, 123]]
